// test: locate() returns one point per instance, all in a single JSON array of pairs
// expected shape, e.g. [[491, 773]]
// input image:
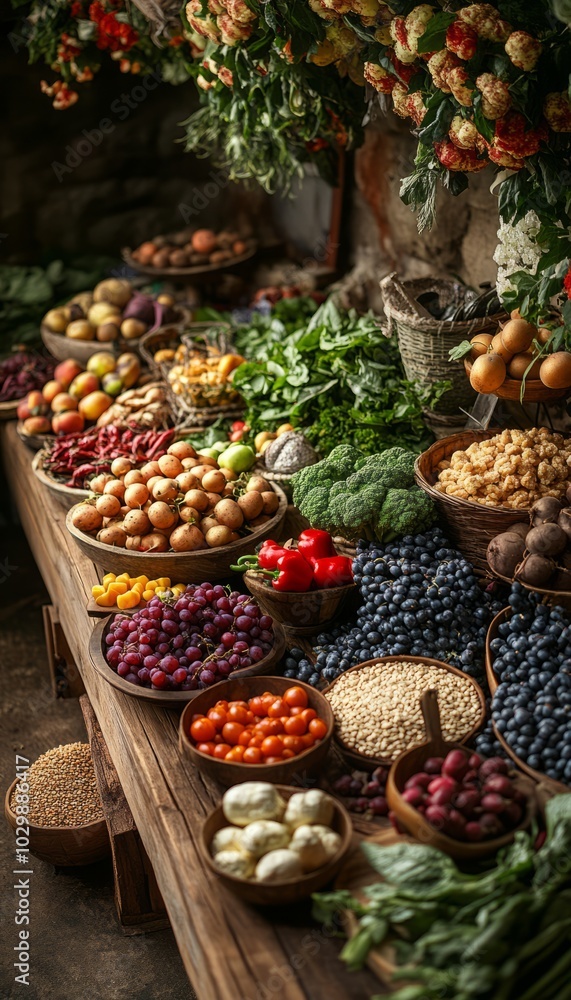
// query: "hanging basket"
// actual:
[[424, 342]]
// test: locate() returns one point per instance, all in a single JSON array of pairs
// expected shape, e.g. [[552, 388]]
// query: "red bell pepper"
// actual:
[[265, 559], [315, 544], [335, 571], [294, 573]]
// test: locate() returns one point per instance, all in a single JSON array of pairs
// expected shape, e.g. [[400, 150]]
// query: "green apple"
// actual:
[[238, 458], [219, 446], [208, 453]]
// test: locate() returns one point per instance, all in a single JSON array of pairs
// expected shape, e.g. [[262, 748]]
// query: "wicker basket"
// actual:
[[424, 343], [469, 525]]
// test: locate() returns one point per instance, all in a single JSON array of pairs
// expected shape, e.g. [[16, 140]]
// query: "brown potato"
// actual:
[[115, 487], [259, 484], [214, 482], [197, 499], [213, 498], [189, 515], [182, 450], [114, 535], [108, 506], [170, 466], [133, 477], [149, 470], [133, 543], [98, 483], [86, 518], [186, 538], [187, 481], [221, 535], [161, 515], [207, 523], [228, 512], [166, 489], [137, 522], [154, 542], [251, 504], [229, 474], [137, 495], [200, 470], [271, 501]]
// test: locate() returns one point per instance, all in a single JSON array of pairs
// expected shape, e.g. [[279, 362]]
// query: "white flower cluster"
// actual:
[[517, 250]]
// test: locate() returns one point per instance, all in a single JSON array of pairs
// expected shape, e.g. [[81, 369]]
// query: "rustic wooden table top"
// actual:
[[231, 951]]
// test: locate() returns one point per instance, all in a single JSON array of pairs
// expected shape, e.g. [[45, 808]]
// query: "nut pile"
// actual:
[[377, 708], [62, 787], [511, 469]]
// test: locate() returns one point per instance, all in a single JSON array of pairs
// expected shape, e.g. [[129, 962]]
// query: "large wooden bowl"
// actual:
[[410, 763], [63, 845], [185, 272], [492, 633], [307, 612], [62, 347], [290, 890], [33, 441], [171, 699], [363, 761], [535, 390], [469, 525], [66, 495], [229, 772], [192, 567]]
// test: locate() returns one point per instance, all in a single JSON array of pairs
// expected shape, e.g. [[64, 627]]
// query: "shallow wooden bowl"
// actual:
[[241, 689], [307, 612], [33, 441], [535, 390], [492, 633], [62, 347], [290, 890], [364, 762], [63, 845], [192, 567], [170, 699], [66, 495], [186, 272], [410, 763]]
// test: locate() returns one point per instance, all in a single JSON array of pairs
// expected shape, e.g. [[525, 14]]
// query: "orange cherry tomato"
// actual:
[[271, 727], [197, 715], [235, 754], [222, 704], [296, 710], [219, 738], [271, 747], [278, 709], [232, 732], [245, 736], [295, 697], [294, 743], [286, 754], [318, 728], [218, 717], [203, 730], [238, 712], [308, 714], [256, 740], [295, 726], [221, 750], [252, 755], [256, 705], [267, 699], [308, 740], [272, 760], [206, 748]]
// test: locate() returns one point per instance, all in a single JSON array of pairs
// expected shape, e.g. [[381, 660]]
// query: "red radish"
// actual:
[[442, 784], [473, 831], [436, 815], [433, 765], [470, 776], [466, 800], [501, 784], [474, 761], [493, 803], [491, 825], [493, 765], [456, 823], [419, 780], [378, 806], [455, 764], [414, 796]]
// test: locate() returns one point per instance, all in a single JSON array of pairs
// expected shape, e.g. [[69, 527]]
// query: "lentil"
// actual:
[[62, 789], [377, 708]]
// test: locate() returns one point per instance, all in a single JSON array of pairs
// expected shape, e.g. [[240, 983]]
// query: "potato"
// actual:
[[113, 535], [116, 488], [214, 482], [188, 463], [154, 542], [228, 490], [259, 484], [117, 291], [120, 466], [86, 518], [229, 475], [271, 501], [186, 481], [170, 466], [189, 515], [108, 505], [197, 499], [221, 535], [186, 538], [133, 477], [207, 523], [149, 470], [161, 515], [136, 522], [97, 485], [136, 495], [165, 489], [181, 449], [213, 498], [133, 543], [251, 504], [228, 512], [152, 482]]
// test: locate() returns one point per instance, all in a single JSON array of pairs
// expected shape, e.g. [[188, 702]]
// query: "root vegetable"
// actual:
[[520, 363], [545, 511], [137, 495], [480, 344], [555, 372], [505, 552], [213, 498], [521, 529], [186, 538], [116, 488], [186, 481], [201, 470], [133, 477], [120, 466], [170, 466], [154, 542], [271, 501], [228, 512], [165, 489], [546, 540], [86, 518], [189, 515], [108, 506], [133, 543], [564, 521], [214, 481], [221, 535], [97, 485], [207, 523], [161, 515], [517, 335], [152, 482], [500, 348], [136, 522], [113, 535], [149, 470], [197, 499], [259, 484], [535, 570], [230, 475], [181, 450], [488, 372]]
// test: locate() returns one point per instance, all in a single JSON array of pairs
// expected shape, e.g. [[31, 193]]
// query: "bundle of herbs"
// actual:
[[503, 934], [337, 377]]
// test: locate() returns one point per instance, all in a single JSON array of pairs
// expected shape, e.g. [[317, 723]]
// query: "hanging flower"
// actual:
[[486, 22], [512, 136], [453, 158], [523, 49], [462, 40], [495, 93], [517, 250], [557, 110]]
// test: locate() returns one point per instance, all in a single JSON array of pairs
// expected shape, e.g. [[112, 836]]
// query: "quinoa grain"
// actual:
[[62, 789]]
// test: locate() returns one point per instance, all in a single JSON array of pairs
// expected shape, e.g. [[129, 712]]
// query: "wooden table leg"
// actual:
[[138, 899], [65, 677]]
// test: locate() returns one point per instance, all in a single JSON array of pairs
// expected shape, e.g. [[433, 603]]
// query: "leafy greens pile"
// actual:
[[339, 378], [501, 935]]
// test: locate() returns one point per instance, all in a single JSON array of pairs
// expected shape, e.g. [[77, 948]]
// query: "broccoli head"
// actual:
[[306, 480], [354, 513], [342, 461], [315, 507], [404, 512], [393, 468]]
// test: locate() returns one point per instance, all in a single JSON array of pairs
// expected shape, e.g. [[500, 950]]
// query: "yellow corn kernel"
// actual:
[[119, 587], [108, 578], [97, 591], [164, 582], [152, 584], [128, 600], [138, 588], [148, 595], [123, 578], [106, 600]]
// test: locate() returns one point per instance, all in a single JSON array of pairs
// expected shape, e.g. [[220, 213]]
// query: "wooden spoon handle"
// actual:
[[431, 713]]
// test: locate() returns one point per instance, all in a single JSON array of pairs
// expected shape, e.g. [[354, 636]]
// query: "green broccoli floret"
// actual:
[[354, 513], [342, 461], [393, 468], [404, 512], [315, 507], [304, 481]]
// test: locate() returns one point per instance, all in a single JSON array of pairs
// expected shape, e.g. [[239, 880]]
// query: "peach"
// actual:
[[63, 401], [51, 390], [66, 371], [84, 385], [67, 422], [37, 425], [94, 404]]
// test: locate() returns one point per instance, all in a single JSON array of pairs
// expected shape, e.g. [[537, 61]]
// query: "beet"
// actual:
[[491, 824], [545, 511], [546, 540], [499, 783], [378, 806], [521, 529], [535, 570], [433, 765], [419, 780], [504, 553], [494, 803], [475, 761], [414, 796], [561, 580], [455, 764], [436, 816], [473, 831], [466, 801], [493, 765]]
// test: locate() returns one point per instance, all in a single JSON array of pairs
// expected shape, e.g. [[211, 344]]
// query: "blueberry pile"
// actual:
[[420, 597], [532, 705]]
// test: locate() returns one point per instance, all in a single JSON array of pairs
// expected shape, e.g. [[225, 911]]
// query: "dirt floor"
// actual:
[[77, 948]]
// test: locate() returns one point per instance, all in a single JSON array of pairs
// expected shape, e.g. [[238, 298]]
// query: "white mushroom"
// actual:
[[314, 845], [277, 866], [313, 806], [264, 835], [251, 800], [235, 863]]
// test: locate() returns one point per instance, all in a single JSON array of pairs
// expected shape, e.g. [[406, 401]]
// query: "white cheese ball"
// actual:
[[242, 804], [264, 835], [314, 845], [310, 807], [278, 866], [235, 863], [228, 838]]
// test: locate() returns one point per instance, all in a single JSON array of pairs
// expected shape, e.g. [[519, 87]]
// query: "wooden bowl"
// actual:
[[33, 441], [192, 567], [363, 761], [62, 347], [170, 699], [535, 390], [185, 272], [241, 689], [290, 890], [492, 633], [9, 409], [307, 612], [410, 763], [66, 495], [63, 845], [469, 525]]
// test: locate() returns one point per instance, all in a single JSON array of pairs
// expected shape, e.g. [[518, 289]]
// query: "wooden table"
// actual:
[[231, 951]]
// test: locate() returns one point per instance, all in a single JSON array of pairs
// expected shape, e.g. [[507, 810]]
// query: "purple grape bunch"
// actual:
[[190, 642]]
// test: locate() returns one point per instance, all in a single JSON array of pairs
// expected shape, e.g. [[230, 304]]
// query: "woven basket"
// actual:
[[469, 525], [424, 343]]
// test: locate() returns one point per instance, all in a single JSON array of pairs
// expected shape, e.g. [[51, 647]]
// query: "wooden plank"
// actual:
[[229, 948]]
